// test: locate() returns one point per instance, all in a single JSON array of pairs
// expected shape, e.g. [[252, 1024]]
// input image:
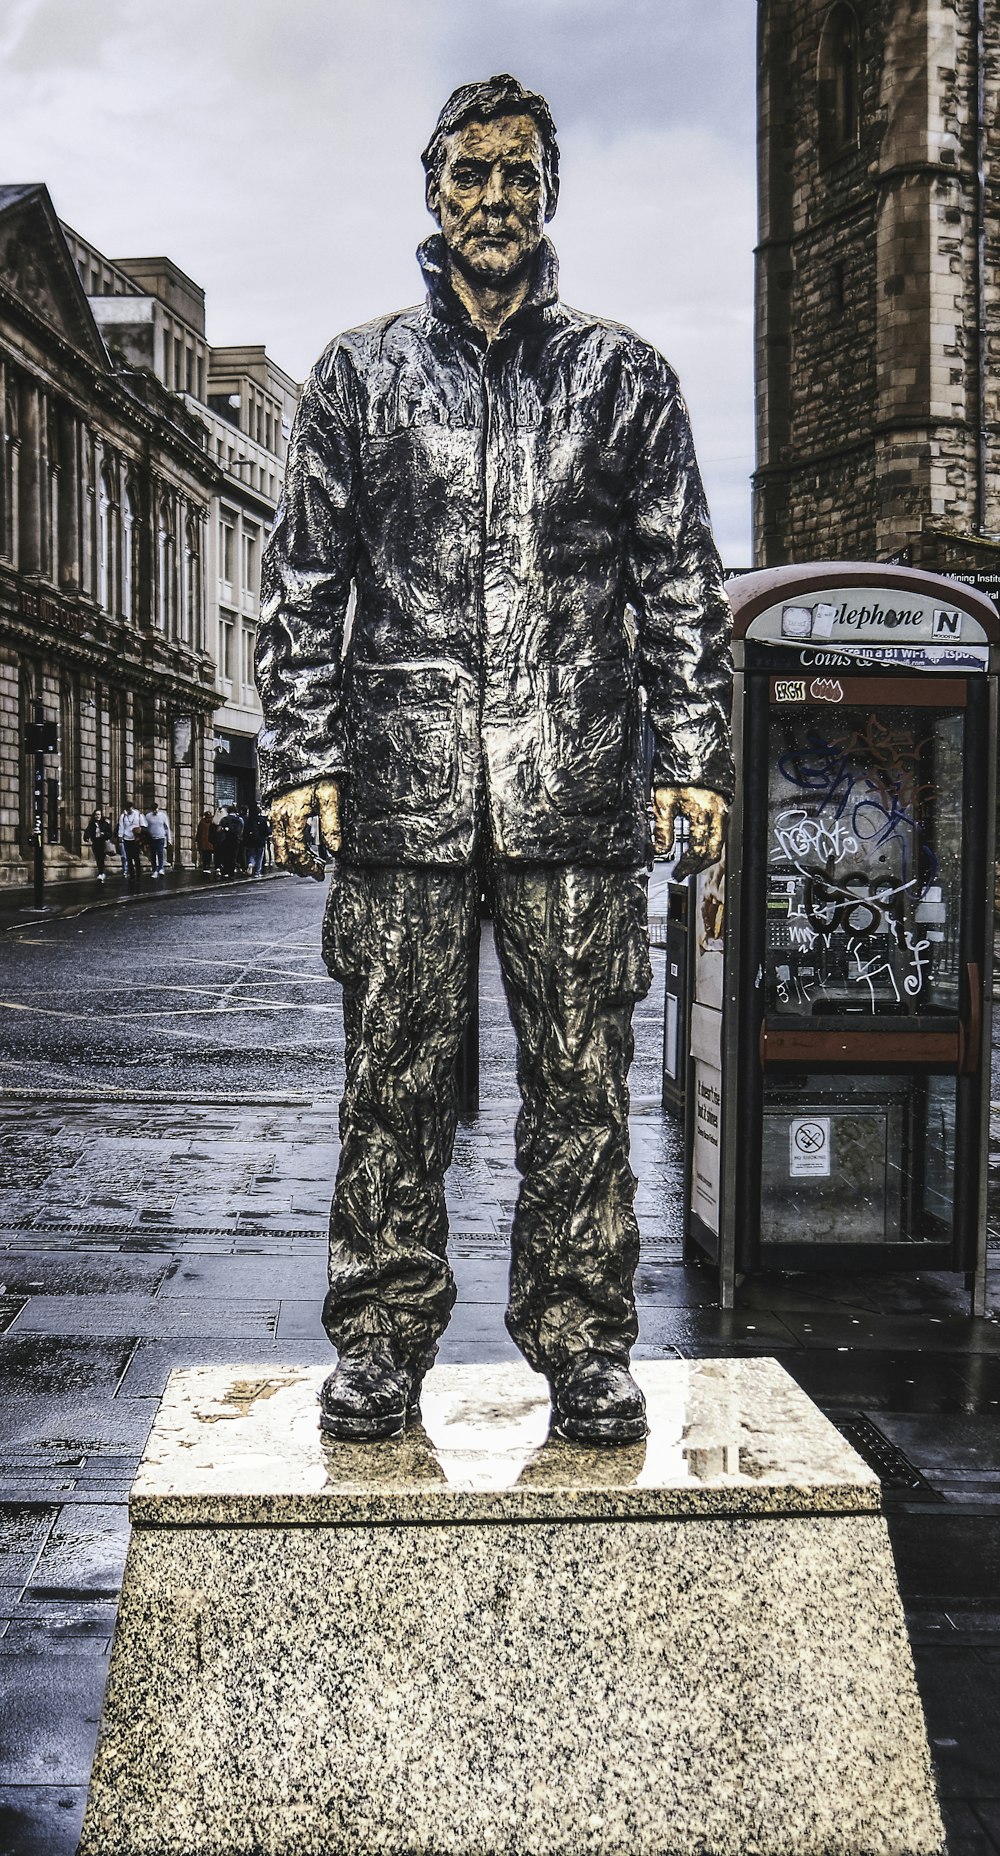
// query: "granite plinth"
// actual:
[[477, 1639]]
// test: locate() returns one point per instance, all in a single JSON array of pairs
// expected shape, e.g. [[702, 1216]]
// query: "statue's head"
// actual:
[[492, 169]]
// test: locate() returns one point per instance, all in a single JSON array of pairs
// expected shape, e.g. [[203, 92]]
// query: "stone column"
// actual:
[[68, 540], [29, 499]]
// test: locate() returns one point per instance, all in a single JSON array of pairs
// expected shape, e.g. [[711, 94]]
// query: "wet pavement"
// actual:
[[169, 1079]]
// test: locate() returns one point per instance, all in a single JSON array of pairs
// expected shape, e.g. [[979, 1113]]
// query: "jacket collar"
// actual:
[[538, 305]]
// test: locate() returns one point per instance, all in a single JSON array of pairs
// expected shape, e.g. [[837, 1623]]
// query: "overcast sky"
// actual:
[[271, 148]]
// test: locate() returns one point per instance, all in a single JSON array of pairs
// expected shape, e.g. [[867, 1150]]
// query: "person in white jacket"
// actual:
[[130, 829], [158, 828]]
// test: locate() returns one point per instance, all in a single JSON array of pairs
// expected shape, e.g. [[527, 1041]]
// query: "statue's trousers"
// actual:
[[574, 957]]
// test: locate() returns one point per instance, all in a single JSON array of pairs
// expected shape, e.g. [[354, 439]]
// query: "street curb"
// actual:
[[30, 917]]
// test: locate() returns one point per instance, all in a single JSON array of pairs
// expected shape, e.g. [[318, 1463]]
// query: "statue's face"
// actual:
[[490, 200]]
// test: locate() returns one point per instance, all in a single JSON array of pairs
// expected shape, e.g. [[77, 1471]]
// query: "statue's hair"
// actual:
[[483, 102]]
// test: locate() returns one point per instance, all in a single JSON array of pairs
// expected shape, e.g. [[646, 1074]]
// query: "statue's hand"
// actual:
[[290, 815], [706, 813]]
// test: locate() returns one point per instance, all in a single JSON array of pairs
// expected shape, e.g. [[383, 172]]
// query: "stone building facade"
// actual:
[[878, 282], [106, 486], [251, 403], [152, 317]]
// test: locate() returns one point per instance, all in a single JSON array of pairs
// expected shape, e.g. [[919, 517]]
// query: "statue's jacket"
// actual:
[[484, 555]]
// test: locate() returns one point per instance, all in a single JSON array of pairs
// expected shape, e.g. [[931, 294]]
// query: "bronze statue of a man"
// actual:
[[507, 488]]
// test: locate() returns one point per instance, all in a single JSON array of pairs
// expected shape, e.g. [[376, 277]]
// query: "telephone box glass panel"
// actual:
[[864, 855], [858, 1160]]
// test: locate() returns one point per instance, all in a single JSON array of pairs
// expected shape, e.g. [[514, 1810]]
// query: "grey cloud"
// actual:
[[46, 34], [615, 66]]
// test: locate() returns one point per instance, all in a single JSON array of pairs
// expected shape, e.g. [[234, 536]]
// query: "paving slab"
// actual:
[[947, 1555], [712, 1328], [47, 1272], [144, 1316], [965, 1830], [247, 1278], [84, 1554], [62, 1365], [66, 1425], [50, 1706], [880, 1381], [945, 1441], [154, 1360], [24, 1528], [36, 1818], [961, 1697], [929, 1334]]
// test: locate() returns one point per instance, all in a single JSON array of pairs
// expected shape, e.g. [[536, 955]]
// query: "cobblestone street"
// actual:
[[170, 1075]]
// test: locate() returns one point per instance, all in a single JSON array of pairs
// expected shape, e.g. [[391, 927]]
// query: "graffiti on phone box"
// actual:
[[862, 796], [882, 798]]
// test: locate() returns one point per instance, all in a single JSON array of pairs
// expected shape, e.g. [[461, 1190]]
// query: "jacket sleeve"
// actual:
[[305, 588], [676, 588]]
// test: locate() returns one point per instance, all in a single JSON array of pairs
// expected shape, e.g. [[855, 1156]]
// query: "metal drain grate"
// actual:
[[893, 1468]]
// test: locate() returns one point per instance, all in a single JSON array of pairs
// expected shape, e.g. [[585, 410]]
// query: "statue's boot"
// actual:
[[371, 1393], [595, 1400]]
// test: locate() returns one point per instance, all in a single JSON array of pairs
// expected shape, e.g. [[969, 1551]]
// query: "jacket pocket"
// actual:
[[403, 742], [587, 729]]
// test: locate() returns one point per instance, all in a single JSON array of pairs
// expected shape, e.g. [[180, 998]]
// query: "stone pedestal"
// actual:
[[476, 1640]]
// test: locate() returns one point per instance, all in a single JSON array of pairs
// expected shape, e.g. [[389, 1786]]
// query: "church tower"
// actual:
[[878, 282]]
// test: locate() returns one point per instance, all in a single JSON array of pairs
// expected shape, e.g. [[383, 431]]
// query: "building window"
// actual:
[[128, 553], [250, 544], [104, 542], [8, 480], [192, 582], [50, 540], [249, 634], [226, 630], [165, 569], [227, 545], [69, 763], [839, 82]]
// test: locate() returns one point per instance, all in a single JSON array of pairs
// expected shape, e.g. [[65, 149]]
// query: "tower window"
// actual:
[[839, 83]]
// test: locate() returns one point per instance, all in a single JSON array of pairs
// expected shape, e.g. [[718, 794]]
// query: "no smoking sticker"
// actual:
[[809, 1147]]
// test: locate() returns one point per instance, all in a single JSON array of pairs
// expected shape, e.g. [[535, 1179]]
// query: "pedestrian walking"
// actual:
[[99, 834], [226, 836], [203, 843], [267, 855], [254, 841], [158, 838], [131, 826]]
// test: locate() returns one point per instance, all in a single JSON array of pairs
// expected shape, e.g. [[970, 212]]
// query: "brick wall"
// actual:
[[867, 267]]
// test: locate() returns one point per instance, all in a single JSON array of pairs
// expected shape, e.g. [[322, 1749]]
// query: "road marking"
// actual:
[[224, 1008]]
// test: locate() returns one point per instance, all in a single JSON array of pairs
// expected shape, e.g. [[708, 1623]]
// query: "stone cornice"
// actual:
[[108, 390], [75, 633]]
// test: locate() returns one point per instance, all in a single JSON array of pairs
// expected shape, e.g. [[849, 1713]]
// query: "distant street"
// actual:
[[221, 989]]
